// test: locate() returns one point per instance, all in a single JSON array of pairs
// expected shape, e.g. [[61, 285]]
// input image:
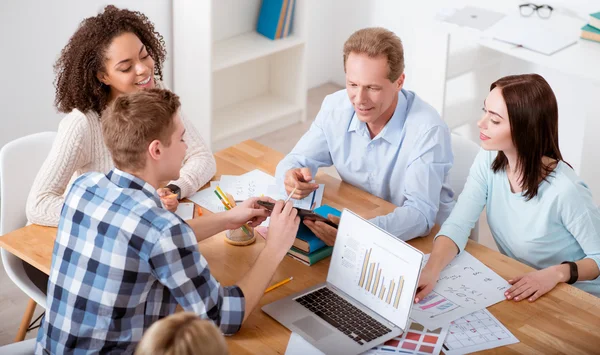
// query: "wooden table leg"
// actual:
[[27, 316]]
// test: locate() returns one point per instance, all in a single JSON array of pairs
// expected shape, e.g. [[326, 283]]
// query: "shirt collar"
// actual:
[[127, 181], [392, 132]]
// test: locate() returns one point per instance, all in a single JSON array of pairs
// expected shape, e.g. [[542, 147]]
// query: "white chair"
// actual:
[[20, 161], [25, 347], [464, 151]]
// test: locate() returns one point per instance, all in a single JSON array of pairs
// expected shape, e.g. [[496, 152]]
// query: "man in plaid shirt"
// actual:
[[121, 261]]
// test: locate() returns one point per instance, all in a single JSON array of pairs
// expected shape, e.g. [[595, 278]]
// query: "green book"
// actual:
[[590, 33], [595, 20], [310, 259]]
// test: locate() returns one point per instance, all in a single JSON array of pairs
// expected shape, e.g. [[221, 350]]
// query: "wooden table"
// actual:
[[566, 320]]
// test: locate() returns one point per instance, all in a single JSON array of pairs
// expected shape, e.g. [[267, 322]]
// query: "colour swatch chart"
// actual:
[[466, 285], [475, 332], [416, 340]]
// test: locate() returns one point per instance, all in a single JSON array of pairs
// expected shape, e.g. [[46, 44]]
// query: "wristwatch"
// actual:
[[175, 189], [574, 272]]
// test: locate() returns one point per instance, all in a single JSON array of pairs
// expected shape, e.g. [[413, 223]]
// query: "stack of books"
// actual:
[[591, 31], [275, 19], [307, 248]]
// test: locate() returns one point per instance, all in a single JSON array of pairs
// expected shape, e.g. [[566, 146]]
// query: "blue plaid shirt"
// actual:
[[120, 263]]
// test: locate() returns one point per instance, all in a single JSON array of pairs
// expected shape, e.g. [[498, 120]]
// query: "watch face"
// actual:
[[175, 189]]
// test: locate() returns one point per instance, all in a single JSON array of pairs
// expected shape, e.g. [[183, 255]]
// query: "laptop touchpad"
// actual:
[[312, 327]]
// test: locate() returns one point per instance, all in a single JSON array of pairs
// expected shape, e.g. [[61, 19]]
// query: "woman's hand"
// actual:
[[168, 199], [533, 285], [427, 282]]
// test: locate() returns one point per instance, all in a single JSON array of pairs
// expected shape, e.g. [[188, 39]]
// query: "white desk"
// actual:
[[577, 89]]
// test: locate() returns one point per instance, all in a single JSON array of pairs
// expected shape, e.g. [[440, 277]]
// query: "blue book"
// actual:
[[275, 18], [306, 240]]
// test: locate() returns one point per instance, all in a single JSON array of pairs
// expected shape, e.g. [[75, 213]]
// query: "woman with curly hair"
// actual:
[[116, 52]]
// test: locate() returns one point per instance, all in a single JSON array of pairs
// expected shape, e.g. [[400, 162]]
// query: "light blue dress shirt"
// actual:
[[561, 223], [407, 163]]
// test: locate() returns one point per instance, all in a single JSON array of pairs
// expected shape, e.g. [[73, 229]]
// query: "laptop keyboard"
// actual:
[[341, 314]]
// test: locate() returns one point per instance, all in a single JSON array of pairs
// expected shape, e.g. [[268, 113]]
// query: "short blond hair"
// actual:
[[182, 333], [376, 41], [132, 121]]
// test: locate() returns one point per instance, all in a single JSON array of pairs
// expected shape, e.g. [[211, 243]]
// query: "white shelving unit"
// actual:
[[236, 84]]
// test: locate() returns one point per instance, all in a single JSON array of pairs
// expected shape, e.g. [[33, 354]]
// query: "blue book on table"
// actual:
[[306, 240]]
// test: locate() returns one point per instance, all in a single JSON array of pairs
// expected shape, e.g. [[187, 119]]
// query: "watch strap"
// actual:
[[175, 189], [573, 270]]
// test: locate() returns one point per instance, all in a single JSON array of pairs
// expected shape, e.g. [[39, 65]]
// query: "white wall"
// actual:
[[32, 33], [416, 24], [330, 23]]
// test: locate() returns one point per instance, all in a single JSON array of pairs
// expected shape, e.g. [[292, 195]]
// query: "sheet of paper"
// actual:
[[310, 202], [298, 346], [242, 187], [466, 285], [207, 199], [417, 339], [475, 332], [185, 210]]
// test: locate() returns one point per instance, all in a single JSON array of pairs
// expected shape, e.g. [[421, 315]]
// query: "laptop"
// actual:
[[368, 295]]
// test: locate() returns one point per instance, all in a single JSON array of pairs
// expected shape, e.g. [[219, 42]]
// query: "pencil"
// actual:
[[271, 288], [290, 195], [228, 206], [223, 195], [170, 196]]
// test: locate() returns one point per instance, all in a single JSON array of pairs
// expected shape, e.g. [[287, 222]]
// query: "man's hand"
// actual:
[[324, 231], [427, 282], [282, 228], [249, 212], [299, 179], [168, 199]]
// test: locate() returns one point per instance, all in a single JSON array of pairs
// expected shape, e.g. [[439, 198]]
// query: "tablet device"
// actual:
[[302, 213]]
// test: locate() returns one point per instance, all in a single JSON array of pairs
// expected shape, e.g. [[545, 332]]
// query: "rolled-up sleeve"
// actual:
[[177, 263], [431, 161], [470, 203]]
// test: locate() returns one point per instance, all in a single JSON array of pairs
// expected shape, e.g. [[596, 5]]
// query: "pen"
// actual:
[[271, 288]]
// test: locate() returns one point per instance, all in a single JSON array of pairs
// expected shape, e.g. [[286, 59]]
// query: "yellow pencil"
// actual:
[[224, 196], [271, 288]]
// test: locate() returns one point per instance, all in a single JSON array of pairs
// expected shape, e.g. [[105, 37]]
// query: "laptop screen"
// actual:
[[375, 268]]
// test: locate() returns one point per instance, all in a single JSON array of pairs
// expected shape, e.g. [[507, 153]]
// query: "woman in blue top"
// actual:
[[539, 211]]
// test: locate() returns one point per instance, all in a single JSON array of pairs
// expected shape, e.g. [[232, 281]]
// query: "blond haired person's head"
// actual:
[[183, 333], [144, 132], [374, 66]]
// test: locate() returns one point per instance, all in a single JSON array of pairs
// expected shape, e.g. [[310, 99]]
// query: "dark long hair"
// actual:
[[533, 117]]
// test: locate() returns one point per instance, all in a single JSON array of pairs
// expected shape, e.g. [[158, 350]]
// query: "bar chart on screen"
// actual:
[[375, 268], [378, 275], [372, 281]]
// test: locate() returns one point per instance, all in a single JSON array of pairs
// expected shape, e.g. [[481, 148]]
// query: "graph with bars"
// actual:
[[373, 281]]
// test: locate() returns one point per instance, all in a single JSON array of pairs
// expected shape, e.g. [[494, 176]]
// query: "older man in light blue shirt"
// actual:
[[380, 138]]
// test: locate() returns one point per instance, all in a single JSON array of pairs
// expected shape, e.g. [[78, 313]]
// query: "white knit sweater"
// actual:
[[79, 148]]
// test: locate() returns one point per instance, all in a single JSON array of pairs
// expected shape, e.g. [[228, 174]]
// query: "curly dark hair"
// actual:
[[77, 86]]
